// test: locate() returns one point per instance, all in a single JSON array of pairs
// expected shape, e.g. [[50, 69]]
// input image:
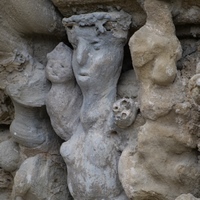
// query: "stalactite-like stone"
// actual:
[[165, 162]]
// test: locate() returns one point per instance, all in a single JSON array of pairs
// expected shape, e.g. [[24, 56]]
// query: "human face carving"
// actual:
[[96, 57], [58, 71]]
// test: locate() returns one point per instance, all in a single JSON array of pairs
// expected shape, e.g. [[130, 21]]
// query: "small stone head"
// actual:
[[58, 69], [125, 112], [98, 40]]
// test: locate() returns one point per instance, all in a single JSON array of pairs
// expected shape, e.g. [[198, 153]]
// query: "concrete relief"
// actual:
[[93, 120], [64, 99], [87, 97], [31, 158]]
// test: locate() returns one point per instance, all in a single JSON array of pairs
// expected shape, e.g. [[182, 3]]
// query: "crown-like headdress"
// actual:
[[117, 22]]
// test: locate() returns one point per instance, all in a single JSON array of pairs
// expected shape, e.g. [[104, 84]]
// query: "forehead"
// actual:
[[90, 34], [57, 62], [84, 32]]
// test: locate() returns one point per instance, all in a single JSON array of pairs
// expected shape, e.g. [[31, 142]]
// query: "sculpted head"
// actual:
[[98, 40], [58, 69]]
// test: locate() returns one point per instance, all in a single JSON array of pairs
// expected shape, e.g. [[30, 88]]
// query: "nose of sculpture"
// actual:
[[82, 51]]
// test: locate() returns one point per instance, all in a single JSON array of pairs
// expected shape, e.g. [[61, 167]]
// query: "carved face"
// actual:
[[59, 71], [96, 58]]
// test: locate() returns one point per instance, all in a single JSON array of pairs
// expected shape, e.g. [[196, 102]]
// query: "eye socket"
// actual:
[[96, 45], [70, 27], [74, 45], [50, 66]]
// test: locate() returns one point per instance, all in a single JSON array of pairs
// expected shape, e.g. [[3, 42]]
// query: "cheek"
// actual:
[[48, 73]]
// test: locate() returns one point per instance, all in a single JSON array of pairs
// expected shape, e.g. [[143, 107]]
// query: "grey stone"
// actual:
[[125, 111], [64, 99], [6, 109], [41, 177], [157, 129], [9, 155]]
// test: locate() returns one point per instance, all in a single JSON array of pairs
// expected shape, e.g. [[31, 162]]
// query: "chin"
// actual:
[[83, 79]]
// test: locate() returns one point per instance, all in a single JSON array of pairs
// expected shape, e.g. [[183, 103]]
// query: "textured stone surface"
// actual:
[[6, 109], [133, 131], [186, 197], [64, 99], [41, 177], [165, 163]]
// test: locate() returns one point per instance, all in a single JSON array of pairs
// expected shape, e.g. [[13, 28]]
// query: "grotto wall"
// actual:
[[99, 100]]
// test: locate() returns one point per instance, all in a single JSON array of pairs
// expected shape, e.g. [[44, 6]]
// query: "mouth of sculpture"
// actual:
[[83, 74]]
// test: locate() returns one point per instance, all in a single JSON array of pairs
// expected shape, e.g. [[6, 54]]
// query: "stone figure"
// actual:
[[165, 162], [27, 86], [91, 154], [64, 99], [125, 111], [30, 29]]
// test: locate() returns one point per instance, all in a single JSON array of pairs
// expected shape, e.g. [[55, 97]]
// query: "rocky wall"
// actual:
[[99, 100]]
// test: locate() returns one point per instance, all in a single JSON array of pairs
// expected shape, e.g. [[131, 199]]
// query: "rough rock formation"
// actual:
[[165, 162], [86, 113], [6, 109]]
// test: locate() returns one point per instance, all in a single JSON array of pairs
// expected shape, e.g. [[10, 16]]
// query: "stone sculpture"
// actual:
[[91, 154], [23, 79], [32, 130], [64, 100], [27, 79], [164, 163], [125, 134]]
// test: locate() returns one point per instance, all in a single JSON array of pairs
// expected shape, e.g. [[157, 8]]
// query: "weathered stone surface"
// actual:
[[141, 129], [186, 197], [6, 109], [184, 11], [41, 177], [64, 99], [9, 155], [165, 162]]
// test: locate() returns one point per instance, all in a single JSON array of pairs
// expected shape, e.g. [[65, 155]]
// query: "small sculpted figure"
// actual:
[[31, 129], [26, 85], [92, 154], [125, 111], [164, 163], [23, 78], [41, 177], [64, 99]]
